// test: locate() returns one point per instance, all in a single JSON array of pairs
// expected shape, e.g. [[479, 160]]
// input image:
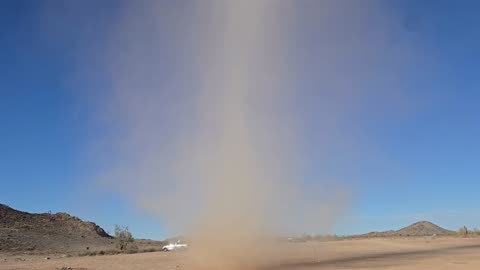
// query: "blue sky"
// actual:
[[426, 160]]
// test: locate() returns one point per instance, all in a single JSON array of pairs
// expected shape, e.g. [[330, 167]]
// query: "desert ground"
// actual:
[[380, 253]]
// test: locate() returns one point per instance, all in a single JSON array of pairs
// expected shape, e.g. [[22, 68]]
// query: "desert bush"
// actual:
[[111, 252], [149, 250], [124, 240], [131, 250], [463, 231], [88, 253]]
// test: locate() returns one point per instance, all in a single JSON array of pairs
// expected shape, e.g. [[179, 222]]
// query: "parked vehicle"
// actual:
[[175, 246]]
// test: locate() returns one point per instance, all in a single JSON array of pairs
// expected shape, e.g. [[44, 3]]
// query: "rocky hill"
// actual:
[[60, 232], [422, 228]]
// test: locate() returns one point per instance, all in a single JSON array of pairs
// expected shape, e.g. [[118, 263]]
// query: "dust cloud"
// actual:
[[207, 117]]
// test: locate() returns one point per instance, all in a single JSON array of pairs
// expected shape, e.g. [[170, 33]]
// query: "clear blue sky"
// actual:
[[46, 123]]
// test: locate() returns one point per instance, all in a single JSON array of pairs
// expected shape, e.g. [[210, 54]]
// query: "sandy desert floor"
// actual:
[[446, 253]]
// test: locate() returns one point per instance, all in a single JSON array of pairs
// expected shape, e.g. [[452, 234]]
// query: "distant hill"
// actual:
[[422, 228], [22, 231]]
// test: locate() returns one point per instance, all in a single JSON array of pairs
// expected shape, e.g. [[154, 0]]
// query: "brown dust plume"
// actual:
[[206, 117]]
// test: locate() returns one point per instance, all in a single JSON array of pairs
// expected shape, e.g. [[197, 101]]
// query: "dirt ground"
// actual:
[[401, 254]]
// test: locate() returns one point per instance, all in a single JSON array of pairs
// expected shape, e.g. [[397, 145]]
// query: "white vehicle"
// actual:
[[175, 246]]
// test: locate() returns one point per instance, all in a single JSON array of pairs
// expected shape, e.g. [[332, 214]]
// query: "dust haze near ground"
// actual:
[[383, 253], [213, 148]]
